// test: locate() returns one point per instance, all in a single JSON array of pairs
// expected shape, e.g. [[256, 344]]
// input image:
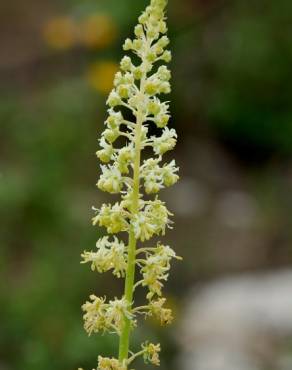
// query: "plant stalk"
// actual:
[[130, 274]]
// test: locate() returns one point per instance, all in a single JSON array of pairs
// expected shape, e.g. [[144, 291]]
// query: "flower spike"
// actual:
[[139, 87]]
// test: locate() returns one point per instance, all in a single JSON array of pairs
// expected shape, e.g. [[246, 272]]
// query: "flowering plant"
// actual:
[[136, 89]]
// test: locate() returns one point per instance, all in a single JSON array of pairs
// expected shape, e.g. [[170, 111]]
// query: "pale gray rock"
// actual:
[[239, 323]]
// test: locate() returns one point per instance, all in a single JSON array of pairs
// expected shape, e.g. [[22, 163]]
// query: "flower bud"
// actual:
[[143, 18], [126, 63], [162, 27], [161, 120], [139, 30], [163, 41], [111, 135], [104, 155], [169, 174], [152, 32], [164, 88], [151, 353], [163, 144], [151, 57], [138, 73], [137, 44], [128, 78], [153, 107], [170, 179], [151, 88], [128, 45], [166, 56], [164, 73], [123, 91], [125, 156], [118, 78], [110, 180], [114, 99], [152, 187], [114, 119]]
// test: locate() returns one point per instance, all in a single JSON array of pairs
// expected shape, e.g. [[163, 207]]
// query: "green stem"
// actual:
[[130, 275]]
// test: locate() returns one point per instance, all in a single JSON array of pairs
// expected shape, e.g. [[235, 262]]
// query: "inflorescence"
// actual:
[[138, 87]]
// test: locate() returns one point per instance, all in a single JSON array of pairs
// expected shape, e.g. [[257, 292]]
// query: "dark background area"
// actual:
[[231, 107]]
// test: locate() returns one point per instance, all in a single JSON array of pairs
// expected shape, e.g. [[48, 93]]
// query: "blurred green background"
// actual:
[[231, 105]]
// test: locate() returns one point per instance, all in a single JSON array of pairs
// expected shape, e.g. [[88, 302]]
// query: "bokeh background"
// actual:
[[231, 106]]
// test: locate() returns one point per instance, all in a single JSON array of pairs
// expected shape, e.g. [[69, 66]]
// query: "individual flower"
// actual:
[[158, 83], [155, 106], [161, 119], [114, 119], [155, 269], [114, 99], [165, 253], [126, 78], [163, 73], [111, 180], [142, 227], [111, 217], [158, 215], [164, 315], [126, 64], [105, 154], [109, 255], [151, 173], [117, 310], [152, 220], [124, 158], [169, 173], [165, 142], [101, 316], [151, 353], [105, 363], [94, 317], [156, 177], [153, 272], [127, 201]]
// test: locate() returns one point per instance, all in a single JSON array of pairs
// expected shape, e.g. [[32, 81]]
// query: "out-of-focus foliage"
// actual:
[[239, 57], [232, 89]]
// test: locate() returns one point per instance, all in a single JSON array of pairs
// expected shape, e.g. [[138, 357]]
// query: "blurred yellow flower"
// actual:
[[100, 75], [97, 31], [60, 33]]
